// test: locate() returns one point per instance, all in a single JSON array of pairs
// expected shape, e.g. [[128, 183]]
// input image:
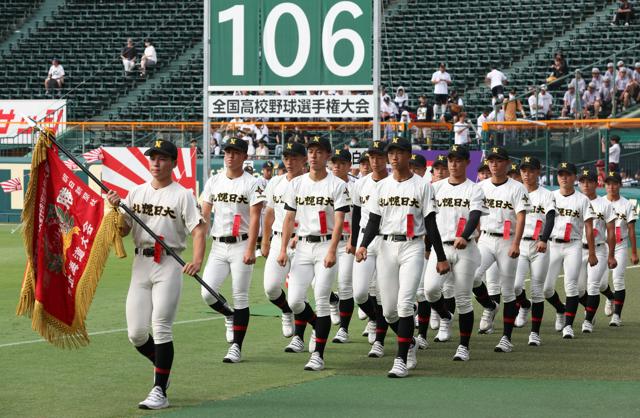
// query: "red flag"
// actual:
[[93, 155], [12, 185]]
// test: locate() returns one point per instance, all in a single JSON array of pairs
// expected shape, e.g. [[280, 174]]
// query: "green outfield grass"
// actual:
[[595, 375]]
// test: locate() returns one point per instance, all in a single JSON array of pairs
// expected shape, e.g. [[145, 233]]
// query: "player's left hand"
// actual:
[[350, 248], [541, 247], [612, 262], [249, 257], [443, 267], [192, 268], [593, 260], [330, 259], [460, 243], [514, 251], [634, 259], [293, 242]]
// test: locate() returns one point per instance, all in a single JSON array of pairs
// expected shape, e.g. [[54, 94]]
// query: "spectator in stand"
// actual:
[[194, 145], [388, 109], [401, 100], [262, 152], [129, 55], [632, 92], [569, 102], [484, 117], [610, 73], [55, 77], [441, 80], [461, 130], [558, 69], [424, 114], [497, 115], [455, 105], [215, 147], [589, 102], [605, 98], [353, 143], [602, 175], [578, 82], [545, 102], [614, 152], [496, 80], [622, 81], [251, 151], [535, 108], [624, 14], [513, 105], [596, 78], [149, 58]]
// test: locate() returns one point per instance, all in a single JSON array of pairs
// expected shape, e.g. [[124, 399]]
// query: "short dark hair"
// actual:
[[615, 138]]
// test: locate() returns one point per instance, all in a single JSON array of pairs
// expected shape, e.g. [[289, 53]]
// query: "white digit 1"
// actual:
[[235, 14], [269, 39], [330, 39]]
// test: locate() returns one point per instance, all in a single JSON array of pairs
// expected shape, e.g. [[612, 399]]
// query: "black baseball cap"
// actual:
[[237, 144], [364, 157], [377, 147], [163, 147], [514, 169], [418, 160], [459, 151], [500, 153], [293, 149], [320, 142], [440, 160], [341, 154], [567, 168], [613, 176], [398, 143], [267, 164], [588, 174], [530, 162]]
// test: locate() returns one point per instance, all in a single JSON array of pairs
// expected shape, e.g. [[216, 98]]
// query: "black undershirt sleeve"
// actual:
[[355, 224], [549, 222], [371, 230], [427, 244], [289, 208], [345, 209], [472, 224], [434, 236]]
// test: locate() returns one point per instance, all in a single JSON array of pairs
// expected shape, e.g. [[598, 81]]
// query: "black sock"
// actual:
[[509, 317], [323, 325], [583, 299], [592, 307], [346, 311], [148, 349], [571, 309], [495, 298], [482, 296], [300, 325], [608, 293], [164, 360], [466, 327], [618, 301], [309, 315], [450, 305], [369, 307], [424, 314], [523, 301], [381, 325], [219, 307], [333, 298], [555, 301], [240, 323], [439, 307], [537, 311], [405, 336], [281, 302], [394, 327]]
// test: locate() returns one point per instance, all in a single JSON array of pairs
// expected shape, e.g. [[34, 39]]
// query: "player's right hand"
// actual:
[[265, 247], [361, 254], [350, 249], [514, 251], [282, 259], [541, 247], [113, 198], [293, 242], [191, 268], [460, 243], [443, 267], [593, 260]]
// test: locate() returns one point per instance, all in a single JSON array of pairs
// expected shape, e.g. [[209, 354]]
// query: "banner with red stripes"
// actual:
[[12, 185]]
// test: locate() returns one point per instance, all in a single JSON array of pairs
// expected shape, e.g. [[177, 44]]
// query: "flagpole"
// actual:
[[225, 309]]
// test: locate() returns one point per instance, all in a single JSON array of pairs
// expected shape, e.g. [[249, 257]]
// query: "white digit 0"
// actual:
[[330, 39], [235, 14], [269, 40]]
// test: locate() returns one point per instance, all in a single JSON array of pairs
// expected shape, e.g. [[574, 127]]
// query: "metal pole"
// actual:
[[606, 150], [83, 139], [133, 144], [376, 69], [546, 155], [614, 102], [206, 128]]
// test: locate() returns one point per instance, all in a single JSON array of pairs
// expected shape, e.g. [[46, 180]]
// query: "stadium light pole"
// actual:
[[376, 69], [206, 142]]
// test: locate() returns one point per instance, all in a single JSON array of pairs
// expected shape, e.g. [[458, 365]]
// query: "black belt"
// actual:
[[447, 243], [316, 238], [147, 252], [529, 239], [493, 234], [586, 246], [561, 241], [397, 238], [280, 234], [231, 240]]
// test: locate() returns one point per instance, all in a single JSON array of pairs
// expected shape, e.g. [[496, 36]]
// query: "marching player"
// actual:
[[460, 205], [319, 201], [534, 257], [508, 203], [237, 199], [170, 211], [624, 228], [439, 168], [295, 157], [364, 165], [483, 171], [575, 215], [401, 209], [590, 278]]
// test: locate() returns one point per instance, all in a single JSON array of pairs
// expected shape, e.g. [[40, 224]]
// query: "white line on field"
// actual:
[[110, 331], [562, 275]]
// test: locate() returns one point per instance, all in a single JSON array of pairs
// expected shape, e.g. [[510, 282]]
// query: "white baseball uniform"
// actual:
[[171, 212], [626, 216], [346, 260]]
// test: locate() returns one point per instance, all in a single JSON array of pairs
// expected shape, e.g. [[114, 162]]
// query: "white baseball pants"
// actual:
[[566, 255], [590, 278], [531, 261], [274, 273], [224, 259], [496, 249]]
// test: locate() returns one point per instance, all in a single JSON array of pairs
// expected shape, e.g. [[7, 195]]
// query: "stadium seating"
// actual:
[[14, 13]]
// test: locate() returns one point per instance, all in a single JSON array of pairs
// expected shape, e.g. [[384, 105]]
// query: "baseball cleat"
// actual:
[[315, 363], [504, 346], [412, 356], [371, 331], [608, 307], [312, 341], [434, 320], [534, 339], [342, 336], [365, 331], [486, 321], [416, 323], [559, 321], [462, 354], [361, 315], [295, 346], [587, 327], [444, 332], [377, 350], [335, 313], [522, 318], [228, 323], [399, 369], [615, 321], [567, 332], [155, 400], [422, 342], [233, 355], [287, 324]]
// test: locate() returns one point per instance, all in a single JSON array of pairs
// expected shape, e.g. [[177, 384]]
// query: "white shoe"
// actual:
[[365, 331], [615, 321], [287, 324], [155, 400], [462, 354], [422, 342], [228, 323], [312, 341], [295, 346], [522, 318], [233, 355], [444, 332], [335, 313], [534, 339], [377, 350], [504, 346], [608, 307], [371, 331], [587, 327], [559, 321], [416, 322], [567, 332], [434, 320], [486, 321], [315, 363], [399, 369], [361, 315], [342, 336], [412, 357]]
